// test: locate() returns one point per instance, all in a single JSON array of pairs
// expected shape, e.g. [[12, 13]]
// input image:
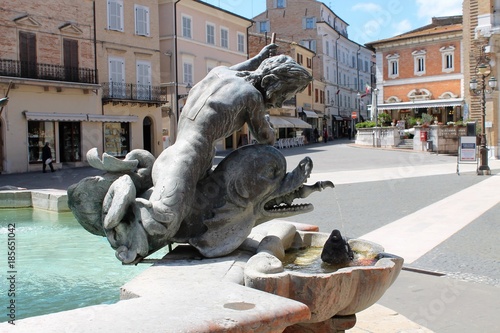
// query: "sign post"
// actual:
[[467, 151]]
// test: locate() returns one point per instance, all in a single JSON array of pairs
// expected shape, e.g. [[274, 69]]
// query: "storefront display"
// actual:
[[116, 139], [39, 132]]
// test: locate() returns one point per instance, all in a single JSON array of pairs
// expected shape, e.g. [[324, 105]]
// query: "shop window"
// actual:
[[39, 132], [117, 138], [69, 142]]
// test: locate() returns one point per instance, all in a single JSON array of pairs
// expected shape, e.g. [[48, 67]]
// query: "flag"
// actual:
[[363, 95], [338, 91], [368, 89]]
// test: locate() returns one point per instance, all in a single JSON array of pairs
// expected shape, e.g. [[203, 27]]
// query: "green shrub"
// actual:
[[366, 124]]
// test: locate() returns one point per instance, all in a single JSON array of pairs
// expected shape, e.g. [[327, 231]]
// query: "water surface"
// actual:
[[58, 265]]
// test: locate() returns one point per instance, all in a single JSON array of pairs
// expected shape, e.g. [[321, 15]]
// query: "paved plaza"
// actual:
[[414, 204]]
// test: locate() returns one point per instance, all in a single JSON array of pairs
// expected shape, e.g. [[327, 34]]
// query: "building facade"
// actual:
[[341, 64], [194, 38], [422, 72], [128, 63], [49, 63], [290, 120], [482, 42]]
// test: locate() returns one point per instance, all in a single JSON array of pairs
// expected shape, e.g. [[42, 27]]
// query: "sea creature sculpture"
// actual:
[[228, 203]]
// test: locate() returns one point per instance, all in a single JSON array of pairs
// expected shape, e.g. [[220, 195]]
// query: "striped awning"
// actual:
[[111, 119], [422, 104], [288, 122], [310, 114], [41, 116]]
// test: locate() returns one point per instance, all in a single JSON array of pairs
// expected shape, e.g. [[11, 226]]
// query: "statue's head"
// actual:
[[282, 78]]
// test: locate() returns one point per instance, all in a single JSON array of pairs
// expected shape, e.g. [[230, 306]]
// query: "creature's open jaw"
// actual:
[[283, 204]]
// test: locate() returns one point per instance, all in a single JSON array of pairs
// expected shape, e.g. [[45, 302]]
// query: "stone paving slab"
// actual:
[[379, 319]]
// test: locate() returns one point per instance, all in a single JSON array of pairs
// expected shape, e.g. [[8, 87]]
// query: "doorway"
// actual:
[[69, 142], [147, 134]]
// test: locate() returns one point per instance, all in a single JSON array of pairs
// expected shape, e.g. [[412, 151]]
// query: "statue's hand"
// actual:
[[268, 51]]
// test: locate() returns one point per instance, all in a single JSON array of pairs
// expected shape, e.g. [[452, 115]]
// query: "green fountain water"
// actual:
[[58, 265]]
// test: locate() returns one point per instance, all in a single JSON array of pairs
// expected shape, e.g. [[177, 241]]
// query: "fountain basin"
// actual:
[[343, 292]]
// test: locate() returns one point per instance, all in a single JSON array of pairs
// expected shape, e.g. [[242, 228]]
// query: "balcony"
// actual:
[[125, 93], [39, 71]]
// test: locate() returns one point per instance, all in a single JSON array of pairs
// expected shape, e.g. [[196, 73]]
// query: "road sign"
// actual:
[[354, 115]]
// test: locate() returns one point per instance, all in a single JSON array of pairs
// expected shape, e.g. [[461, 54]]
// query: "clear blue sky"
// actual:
[[368, 20]]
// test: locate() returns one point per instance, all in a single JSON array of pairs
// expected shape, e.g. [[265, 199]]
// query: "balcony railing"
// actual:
[[130, 92], [34, 70]]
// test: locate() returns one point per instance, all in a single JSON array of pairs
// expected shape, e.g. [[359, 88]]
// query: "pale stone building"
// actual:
[[128, 63], [287, 120], [195, 37], [84, 74], [341, 64], [47, 55]]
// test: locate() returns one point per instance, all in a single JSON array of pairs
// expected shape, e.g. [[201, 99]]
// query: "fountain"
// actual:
[[226, 218], [334, 292]]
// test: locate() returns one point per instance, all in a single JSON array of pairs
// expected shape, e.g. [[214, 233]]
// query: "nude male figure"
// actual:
[[226, 99]]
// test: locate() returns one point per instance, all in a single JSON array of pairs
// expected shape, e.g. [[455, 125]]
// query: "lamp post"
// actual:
[[483, 70]]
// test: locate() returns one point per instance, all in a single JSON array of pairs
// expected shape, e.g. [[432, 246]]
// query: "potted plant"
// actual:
[[384, 118]]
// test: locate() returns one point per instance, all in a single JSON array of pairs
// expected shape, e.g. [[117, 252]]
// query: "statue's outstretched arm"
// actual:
[[252, 63]]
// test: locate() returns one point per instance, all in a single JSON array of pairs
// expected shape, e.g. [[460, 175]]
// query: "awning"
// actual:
[[310, 114], [40, 116], [338, 118], [298, 123], [422, 104], [279, 122], [288, 122], [112, 119]]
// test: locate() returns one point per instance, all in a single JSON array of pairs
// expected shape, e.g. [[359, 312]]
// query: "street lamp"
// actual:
[[483, 70]]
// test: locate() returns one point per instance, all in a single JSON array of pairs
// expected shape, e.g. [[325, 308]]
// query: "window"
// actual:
[[141, 20], [115, 15], [117, 87], [187, 72], [241, 42], [264, 26], [448, 58], [309, 23], [280, 3], [117, 138], [40, 132], [327, 48], [69, 141], [143, 80], [309, 89], [310, 44], [309, 63], [299, 59], [186, 27], [70, 54], [393, 65], [210, 34], [316, 95], [419, 62], [27, 54], [224, 38]]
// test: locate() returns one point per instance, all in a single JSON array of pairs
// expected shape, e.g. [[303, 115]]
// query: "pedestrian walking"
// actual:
[[47, 157]]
